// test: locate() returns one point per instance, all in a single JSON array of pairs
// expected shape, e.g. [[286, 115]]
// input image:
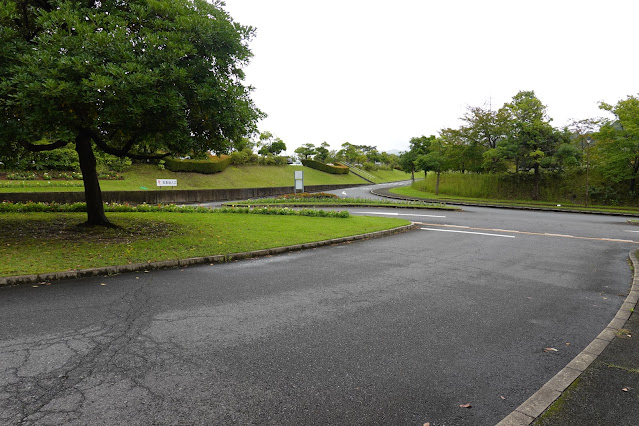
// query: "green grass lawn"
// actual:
[[141, 176], [409, 191], [32, 243]]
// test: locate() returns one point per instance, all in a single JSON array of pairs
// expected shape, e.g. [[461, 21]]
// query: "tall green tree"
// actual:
[[141, 78], [418, 146], [322, 152], [436, 159], [531, 140], [306, 150], [270, 144], [618, 142], [482, 133]]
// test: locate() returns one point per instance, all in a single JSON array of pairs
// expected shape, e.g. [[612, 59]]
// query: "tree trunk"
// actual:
[[92, 192], [437, 184], [536, 186], [412, 173], [633, 181]]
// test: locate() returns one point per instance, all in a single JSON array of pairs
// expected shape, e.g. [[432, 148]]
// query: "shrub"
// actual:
[[337, 169], [245, 156], [9, 207], [307, 196], [211, 165]]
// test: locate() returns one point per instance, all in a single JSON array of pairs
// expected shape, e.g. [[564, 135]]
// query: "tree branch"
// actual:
[[125, 151], [40, 148]]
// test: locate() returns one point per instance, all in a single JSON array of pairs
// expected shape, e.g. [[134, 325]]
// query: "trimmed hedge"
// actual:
[[30, 207], [337, 169], [213, 165]]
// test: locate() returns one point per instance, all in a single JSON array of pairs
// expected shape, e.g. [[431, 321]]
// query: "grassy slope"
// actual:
[[409, 191], [139, 176], [46, 242]]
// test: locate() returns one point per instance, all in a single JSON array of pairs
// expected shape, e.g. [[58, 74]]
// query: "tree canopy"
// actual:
[[140, 78], [619, 141]]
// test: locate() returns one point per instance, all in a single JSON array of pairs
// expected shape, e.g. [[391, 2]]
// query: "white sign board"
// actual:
[[299, 180], [166, 182]]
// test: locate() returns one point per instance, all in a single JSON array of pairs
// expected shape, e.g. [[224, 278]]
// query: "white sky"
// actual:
[[374, 72]]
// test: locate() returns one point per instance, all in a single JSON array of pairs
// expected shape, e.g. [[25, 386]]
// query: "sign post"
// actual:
[[166, 182], [299, 180]]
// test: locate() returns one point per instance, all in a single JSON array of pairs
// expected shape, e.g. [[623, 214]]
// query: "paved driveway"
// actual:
[[399, 330]]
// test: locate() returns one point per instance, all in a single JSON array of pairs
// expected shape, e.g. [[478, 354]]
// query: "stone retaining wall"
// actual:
[[166, 196]]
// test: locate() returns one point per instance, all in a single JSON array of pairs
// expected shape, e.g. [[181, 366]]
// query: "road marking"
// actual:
[[399, 214], [615, 240], [630, 231], [468, 232], [343, 192]]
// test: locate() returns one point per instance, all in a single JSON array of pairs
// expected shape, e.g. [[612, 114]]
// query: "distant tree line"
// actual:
[[518, 138]]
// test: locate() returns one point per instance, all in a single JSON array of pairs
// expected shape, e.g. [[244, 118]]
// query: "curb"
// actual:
[[500, 206], [220, 258], [539, 402]]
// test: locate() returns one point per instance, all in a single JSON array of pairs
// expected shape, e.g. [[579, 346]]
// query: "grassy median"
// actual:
[[32, 243]]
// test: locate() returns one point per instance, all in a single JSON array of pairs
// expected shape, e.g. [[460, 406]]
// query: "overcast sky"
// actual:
[[373, 72]]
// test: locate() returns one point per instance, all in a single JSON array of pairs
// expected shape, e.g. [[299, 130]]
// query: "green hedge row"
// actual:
[[335, 170], [31, 207], [197, 166]]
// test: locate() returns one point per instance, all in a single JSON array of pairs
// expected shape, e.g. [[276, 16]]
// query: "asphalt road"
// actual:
[[399, 330]]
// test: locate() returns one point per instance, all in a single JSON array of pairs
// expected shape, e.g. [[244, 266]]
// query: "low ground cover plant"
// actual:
[[330, 199], [31, 207], [57, 175]]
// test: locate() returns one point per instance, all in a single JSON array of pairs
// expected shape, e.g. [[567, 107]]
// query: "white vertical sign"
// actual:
[[299, 180]]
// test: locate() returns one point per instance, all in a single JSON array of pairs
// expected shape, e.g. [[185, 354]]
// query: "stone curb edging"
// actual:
[[499, 206], [534, 406], [112, 270]]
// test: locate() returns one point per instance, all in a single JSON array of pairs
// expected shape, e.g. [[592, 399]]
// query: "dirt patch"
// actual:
[[71, 229]]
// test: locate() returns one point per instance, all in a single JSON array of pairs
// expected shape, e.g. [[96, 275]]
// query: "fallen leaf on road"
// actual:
[[625, 389], [102, 283], [465, 406], [427, 424], [502, 396], [550, 350]]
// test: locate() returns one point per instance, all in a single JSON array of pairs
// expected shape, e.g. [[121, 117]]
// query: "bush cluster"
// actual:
[[368, 166], [30, 207], [337, 169], [39, 184], [308, 196], [62, 159], [208, 166], [247, 156], [24, 175]]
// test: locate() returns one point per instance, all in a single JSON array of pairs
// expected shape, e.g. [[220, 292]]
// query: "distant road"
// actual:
[[398, 330]]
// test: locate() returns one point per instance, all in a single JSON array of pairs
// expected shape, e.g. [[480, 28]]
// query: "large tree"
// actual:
[[418, 146], [141, 78], [436, 159], [618, 142], [531, 140]]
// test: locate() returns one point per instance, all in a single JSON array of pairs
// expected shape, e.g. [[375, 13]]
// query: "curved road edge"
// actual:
[[221, 258], [534, 406]]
